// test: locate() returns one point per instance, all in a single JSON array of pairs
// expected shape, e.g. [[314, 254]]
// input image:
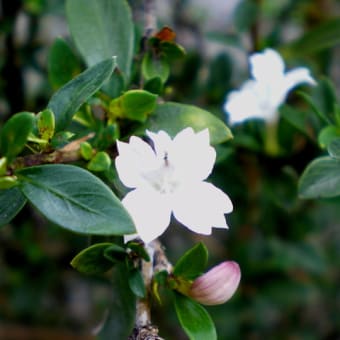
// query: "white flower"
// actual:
[[169, 178], [261, 96]]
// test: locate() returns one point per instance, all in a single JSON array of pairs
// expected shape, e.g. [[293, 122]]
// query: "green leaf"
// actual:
[[102, 29], [155, 66], [92, 260], [100, 162], [245, 15], [11, 202], [324, 35], [327, 134], [136, 283], [65, 102], [62, 65], [192, 263], [194, 319], [120, 321], [174, 117], [321, 179], [75, 199], [14, 134], [46, 124], [334, 148], [134, 105]]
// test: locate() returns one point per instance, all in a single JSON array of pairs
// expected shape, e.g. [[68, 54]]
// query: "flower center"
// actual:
[[163, 179]]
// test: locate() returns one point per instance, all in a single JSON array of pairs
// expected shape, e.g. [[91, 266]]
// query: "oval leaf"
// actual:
[[92, 260], [194, 319], [192, 263], [321, 178], [71, 96], [334, 148], [11, 202], [174, 117], [62, 65], [102, 29], [14, 134], [75, 199]]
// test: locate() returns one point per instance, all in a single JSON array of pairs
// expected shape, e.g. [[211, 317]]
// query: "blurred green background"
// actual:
[[288, 249]]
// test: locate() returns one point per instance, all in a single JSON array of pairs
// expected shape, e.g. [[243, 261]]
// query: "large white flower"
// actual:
[[261, 96], [169, 178]]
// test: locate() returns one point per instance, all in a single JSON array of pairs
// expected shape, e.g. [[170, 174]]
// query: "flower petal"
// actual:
[[191, 155], [298, 76], [218, 285], [132, 159], [150, 212], [267, 66], [201, 206], [248, 102], [161, 142]]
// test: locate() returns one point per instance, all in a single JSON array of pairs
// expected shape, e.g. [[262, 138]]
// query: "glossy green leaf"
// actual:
[[192, 263], [46, 124], [14, 134], [67, 100], [120, 321], [194, 319], [155, 66], [321, 179], [100, 162], [7, 182], [86, 150], [62, 65], [92, 260], [171, 50], [102, 29], [75, 199], [334, 148], [11, 202], [136, 283], [327, 134], [174, 117], [134, 105]]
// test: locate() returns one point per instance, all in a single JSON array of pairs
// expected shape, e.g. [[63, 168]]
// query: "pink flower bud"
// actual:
[[217, 285]]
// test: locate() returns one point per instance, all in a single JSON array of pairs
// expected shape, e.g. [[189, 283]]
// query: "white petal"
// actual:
[[267, 66], [201, 206], [150, 212], [191, 155], [161, 142], [245, 103], [298, 76], [132, 159]]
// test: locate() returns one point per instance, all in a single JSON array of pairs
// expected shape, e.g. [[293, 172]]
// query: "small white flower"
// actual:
[[261, 96], [169, 179]]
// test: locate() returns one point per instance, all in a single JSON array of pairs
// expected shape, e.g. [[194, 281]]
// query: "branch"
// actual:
[[158, 261]]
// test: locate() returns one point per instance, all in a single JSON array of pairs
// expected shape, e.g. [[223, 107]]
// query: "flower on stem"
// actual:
[[217, 285], [261, 96], [168, 178]]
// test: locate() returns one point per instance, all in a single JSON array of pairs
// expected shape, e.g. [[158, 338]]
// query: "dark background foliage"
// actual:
[[288, 248]]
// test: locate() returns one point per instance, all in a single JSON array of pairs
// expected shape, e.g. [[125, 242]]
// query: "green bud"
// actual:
[[100, 162], [8, 182], [86, 150], [3, 165], [46, 124]]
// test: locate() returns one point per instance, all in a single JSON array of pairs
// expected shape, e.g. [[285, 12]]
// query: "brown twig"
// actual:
[[144, 329]]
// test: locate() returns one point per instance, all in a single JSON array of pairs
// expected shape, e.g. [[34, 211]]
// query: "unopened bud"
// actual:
[[217, 285]]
